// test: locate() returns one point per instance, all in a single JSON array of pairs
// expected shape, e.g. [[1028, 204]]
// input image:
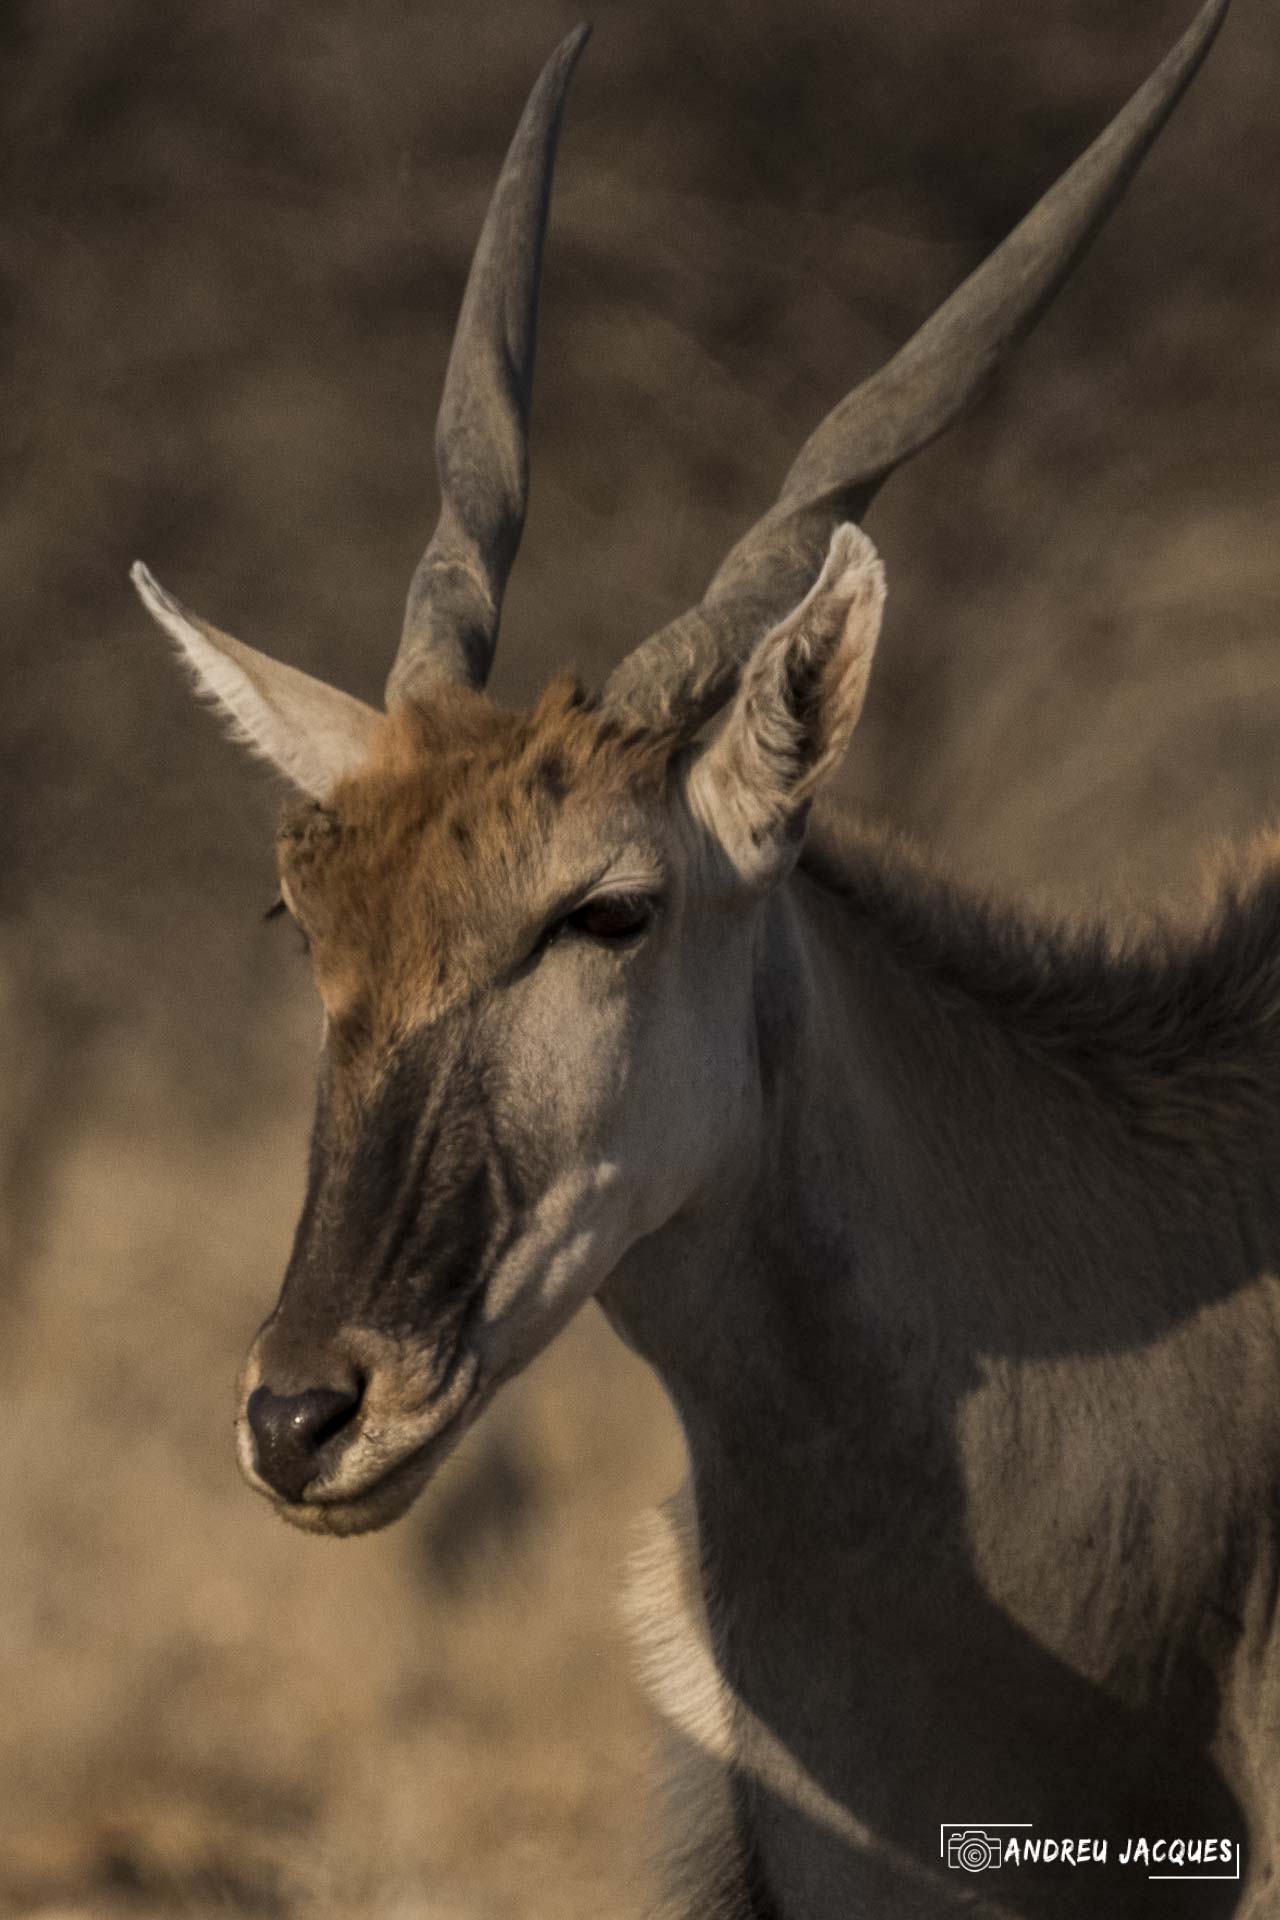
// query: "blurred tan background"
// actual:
[[232, 240]]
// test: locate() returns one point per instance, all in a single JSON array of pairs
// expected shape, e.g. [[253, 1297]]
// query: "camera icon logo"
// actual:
[[973, 1849]]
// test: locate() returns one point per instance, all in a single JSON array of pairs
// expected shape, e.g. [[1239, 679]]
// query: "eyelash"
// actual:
[[633, 912]]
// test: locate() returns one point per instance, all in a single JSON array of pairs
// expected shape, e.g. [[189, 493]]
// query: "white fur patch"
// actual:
[[667, 1623], [666, 1615]]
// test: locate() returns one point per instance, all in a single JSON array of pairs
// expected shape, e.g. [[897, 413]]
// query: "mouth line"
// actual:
[[378, 1502], [400, 1470]]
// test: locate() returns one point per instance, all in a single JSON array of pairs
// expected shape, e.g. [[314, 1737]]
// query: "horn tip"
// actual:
[[573, 43]]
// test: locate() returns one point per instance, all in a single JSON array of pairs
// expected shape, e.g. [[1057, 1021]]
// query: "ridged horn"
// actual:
[[455, 599], [684, 672]]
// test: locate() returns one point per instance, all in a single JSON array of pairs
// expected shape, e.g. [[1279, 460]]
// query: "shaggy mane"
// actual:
[[1175, 1022]]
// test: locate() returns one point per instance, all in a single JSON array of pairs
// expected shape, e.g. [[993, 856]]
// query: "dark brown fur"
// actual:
[[1179, 1025]]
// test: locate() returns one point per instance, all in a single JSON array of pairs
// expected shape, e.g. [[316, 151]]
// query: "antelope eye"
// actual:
[[612, 917]]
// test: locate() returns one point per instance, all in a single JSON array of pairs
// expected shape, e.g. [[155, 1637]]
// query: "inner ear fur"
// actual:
[[312, 733], [795, 711]]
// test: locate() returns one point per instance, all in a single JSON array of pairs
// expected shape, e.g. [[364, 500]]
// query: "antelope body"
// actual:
[[953, 1239]]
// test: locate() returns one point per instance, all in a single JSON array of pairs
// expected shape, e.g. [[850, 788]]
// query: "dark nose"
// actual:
[[290, 1430]]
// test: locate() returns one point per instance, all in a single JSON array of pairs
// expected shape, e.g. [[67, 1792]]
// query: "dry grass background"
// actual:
[[232, 241]]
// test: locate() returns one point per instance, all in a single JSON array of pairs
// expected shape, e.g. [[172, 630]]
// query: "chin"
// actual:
[[387, 1500]]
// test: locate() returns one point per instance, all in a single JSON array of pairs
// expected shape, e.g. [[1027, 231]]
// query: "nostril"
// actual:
[[290, 1429], [322, 1421]]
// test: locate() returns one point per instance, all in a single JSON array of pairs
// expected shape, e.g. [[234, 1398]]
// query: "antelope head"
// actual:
[[533, 933]]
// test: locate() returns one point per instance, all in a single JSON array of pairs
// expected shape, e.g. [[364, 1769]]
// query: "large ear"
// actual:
[[311, 732], [794, 712]]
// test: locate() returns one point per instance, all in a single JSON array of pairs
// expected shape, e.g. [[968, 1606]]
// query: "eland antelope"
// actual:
[[954, 1238]]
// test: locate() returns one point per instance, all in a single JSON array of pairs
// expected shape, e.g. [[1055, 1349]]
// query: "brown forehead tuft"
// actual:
[[407, 876], [563, 739], [460, 739]]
